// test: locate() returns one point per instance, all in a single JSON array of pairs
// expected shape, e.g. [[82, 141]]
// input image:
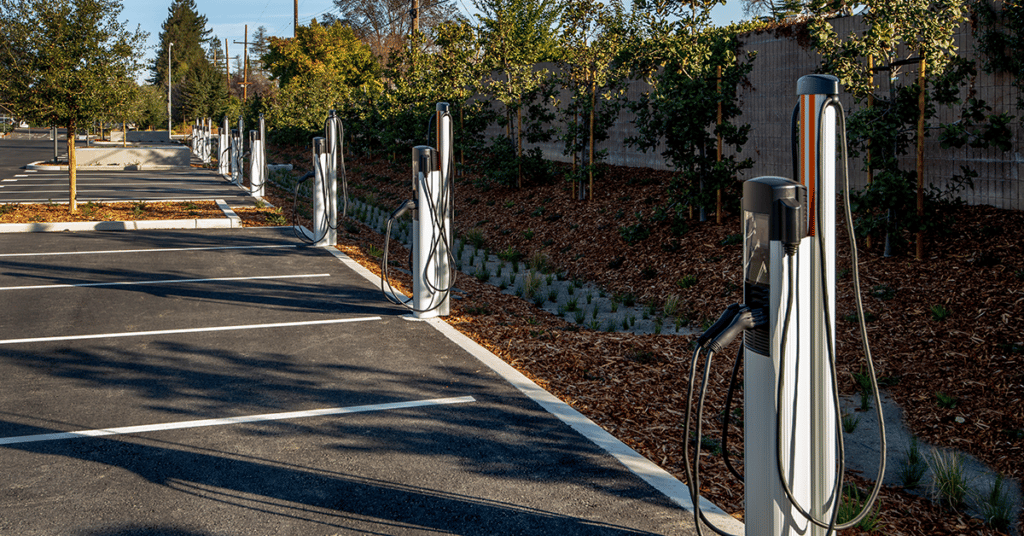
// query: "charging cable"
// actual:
[[734, 320], [836, 495], [334, 131], [438, 213]]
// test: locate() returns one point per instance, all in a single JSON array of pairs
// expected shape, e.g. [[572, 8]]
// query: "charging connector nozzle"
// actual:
[[406, 206], [723, 322], [745, 319]]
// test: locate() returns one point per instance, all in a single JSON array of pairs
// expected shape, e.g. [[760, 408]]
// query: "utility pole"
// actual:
[[169, 48], [295, 27], [415, 12], [227, 66], [245, 74]]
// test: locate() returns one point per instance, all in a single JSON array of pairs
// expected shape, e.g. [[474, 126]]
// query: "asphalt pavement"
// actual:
[[237, 382], [21, 185]]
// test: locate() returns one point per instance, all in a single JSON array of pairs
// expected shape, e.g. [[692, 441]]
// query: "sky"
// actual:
[[228, 18]]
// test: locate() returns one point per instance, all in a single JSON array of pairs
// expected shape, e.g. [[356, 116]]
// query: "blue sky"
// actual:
[[227, 18]]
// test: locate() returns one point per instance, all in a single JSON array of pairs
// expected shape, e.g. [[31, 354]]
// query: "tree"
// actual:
[[516, 36], [911, 35], [773, 9], [321, 68], [592, 38], [197, 88], [677, 50], [459, 75], [680, 114], [66, 62], [384, 24], [258, 48], [150, 108]]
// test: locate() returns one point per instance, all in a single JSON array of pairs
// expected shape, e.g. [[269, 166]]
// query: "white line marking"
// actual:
[[647, 470], [157, 250], [21, 176], [234, 420], [188, 330], [164, 281]]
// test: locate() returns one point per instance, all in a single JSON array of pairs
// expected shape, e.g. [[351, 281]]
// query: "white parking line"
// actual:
[[158, 250], [189, 330], [164, 281], [234, 420]]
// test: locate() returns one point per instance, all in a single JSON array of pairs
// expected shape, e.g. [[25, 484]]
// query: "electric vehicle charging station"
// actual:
[[326, 154], [237, 149], [203, 141], [325, 197], [224, 148], [258, 160], [805, 425], [432, 265], [793, 444]]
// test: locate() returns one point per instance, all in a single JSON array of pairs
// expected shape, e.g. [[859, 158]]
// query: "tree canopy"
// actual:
[[66, 62], [198, 90], [384, 24], [319, 69]]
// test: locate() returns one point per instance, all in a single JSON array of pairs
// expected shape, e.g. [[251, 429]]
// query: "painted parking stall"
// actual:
[[235, 381], [45, 186]]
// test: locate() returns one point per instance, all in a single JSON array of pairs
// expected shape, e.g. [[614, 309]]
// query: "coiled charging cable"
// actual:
[[719, 335], [335, 139], [440, 237], [836, 495]]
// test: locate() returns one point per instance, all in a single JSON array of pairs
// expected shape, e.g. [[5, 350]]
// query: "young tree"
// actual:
[[321, 68], [460, 72], [914, 37], [516, 36], [67, 62], [677, 50], [592, 38]]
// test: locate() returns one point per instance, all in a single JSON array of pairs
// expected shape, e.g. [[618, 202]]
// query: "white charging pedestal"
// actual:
[[332, 133], [425, 265], [445, 153], [325, 195], [224, 149], [808, 431]]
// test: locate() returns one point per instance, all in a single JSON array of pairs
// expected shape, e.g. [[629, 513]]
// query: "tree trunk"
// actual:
[[72, 172], [519, 145], [718, 157], [919, 254], [462, 147], [590, 154]]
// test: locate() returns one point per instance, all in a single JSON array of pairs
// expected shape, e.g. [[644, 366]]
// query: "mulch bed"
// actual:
[[633, 386], [92, 211]]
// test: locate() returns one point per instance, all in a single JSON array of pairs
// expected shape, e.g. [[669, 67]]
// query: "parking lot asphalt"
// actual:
[[236, 382], [21, 185]]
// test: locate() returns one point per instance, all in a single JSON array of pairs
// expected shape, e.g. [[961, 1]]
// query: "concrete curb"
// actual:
[[647, 470], [39, 166], [229, 221]]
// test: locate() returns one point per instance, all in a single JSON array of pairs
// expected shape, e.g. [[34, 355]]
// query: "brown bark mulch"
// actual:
[[121, 211]]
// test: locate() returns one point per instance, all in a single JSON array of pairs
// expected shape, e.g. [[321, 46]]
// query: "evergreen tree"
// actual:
[[193, 77]]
